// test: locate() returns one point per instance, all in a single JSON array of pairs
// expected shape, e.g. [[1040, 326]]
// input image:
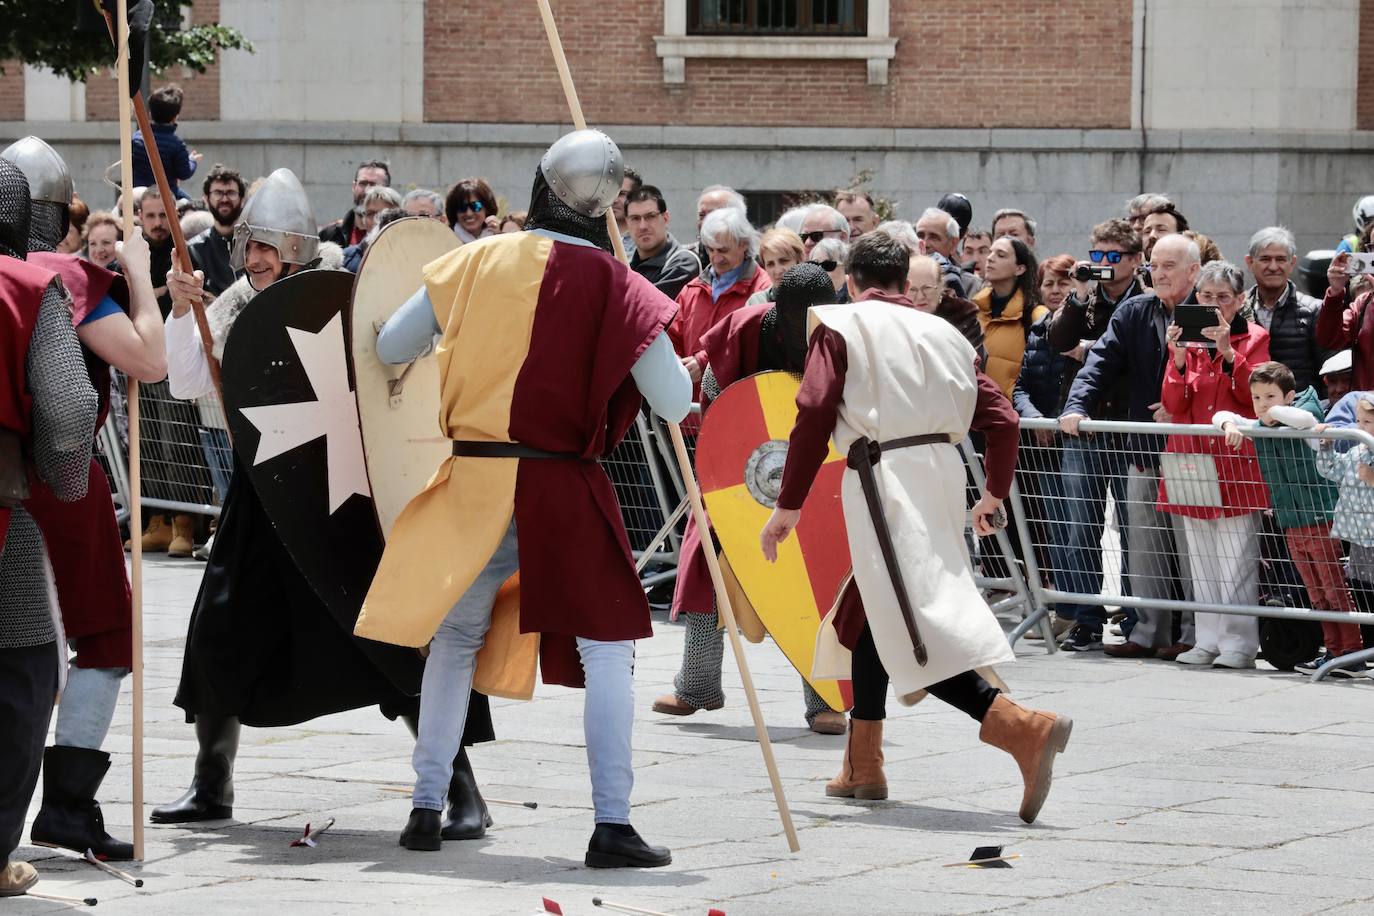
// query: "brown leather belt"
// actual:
[[464, 449], [863, 454]]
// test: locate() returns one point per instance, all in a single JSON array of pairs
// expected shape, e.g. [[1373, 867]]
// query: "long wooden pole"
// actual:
[[684, 462], [126, 180], [164, 188]]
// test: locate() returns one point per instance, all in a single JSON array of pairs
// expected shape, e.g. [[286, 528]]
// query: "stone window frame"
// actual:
[[674, 46]]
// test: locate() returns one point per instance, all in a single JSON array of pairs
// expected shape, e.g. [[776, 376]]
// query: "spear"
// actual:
[[688, 476]]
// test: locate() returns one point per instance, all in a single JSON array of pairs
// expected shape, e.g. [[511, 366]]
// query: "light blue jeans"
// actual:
[[608, 712], [87, 706]]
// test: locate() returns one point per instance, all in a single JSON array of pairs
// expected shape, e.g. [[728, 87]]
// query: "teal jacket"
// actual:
[[1300, 496]]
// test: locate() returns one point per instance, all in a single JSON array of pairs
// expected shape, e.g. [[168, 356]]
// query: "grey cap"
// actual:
[[278, 214], [49, 178], [584, 169]]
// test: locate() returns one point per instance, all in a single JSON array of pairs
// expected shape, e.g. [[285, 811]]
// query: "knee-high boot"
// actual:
[[211, 796], [70, 817], [468, 817]]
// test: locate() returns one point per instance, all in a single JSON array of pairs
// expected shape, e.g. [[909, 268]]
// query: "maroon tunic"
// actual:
[[732, 352], [818, 405], [21, 293], [83, 536], [574, 395]]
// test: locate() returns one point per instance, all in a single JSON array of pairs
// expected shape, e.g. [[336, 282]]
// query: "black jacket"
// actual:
[[210, 254], [1293, 334], [340, 233], [1079, 321], [670, 270]]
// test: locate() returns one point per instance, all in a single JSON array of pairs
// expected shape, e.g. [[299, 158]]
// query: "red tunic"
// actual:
[[83, 536], [21, 293], [817, 413], [698, 313], [732, 352]]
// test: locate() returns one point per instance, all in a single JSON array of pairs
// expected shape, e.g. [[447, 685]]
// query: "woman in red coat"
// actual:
[[1218, 493]]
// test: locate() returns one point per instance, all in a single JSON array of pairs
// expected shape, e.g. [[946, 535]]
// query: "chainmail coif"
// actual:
[[782, 343], [15, 209], [47, 225], [548, 212]]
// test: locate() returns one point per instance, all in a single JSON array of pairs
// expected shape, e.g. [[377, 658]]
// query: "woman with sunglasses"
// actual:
[[471, 210], [833, 255]]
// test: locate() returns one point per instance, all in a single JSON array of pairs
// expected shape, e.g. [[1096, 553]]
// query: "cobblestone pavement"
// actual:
[[1182, 791]]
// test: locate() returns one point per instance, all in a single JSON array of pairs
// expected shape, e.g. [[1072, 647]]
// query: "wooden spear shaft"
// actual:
[[126, 173], [688, 476]]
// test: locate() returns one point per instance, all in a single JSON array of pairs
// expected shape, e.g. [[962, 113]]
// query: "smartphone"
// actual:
[[1361, 262], [1193, 318]]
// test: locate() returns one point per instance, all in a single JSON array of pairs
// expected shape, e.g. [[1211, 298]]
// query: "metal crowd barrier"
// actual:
[[1068, 489]]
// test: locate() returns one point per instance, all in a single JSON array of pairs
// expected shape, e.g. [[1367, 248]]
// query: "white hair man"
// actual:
[[729, 277], [714, 198], [1276, 304], [1131, 351], [425, 203], [822, 221], [937, 235]]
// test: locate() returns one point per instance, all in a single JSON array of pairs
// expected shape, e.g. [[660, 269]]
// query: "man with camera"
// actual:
[[1092, 464]]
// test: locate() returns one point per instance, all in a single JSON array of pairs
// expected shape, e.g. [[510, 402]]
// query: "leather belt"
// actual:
[[863, 454], [464, 449]]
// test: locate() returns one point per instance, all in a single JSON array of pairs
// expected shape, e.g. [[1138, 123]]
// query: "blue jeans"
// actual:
[[87, 707], [1088, 467], [608, 713]]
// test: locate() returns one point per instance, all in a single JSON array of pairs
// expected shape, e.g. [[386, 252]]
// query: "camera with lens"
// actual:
[[1085, 272]]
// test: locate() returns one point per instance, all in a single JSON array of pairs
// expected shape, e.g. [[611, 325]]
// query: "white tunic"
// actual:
[[910, 373]]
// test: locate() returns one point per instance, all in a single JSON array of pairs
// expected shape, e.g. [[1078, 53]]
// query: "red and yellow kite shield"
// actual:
[[740, 455]]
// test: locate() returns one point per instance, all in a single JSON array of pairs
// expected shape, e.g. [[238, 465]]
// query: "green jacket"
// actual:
[[1300, 496]]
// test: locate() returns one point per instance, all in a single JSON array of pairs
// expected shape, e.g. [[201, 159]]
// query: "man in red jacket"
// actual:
[[730, 243]]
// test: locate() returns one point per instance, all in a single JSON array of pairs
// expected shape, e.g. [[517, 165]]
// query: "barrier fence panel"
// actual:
[[1219, 533]]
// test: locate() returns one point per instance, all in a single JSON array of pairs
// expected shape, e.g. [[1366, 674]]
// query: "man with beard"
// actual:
[[83, 536], [157, 229], [223, 189], [47, 419], [547, 343], [262, 648], [771, 335]]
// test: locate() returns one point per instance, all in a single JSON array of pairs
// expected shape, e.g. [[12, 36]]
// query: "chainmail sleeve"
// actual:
[[64, 402], [710, 387]]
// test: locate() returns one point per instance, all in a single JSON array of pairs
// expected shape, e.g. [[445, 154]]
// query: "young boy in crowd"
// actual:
[[164, 107], [1303, 501]]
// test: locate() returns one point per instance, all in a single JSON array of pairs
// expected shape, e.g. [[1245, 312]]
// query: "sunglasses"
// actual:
[[816, 236], [827, 266], [1111, 257], [474, 205]]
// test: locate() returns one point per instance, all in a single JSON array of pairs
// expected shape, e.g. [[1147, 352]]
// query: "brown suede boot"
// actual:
[[157, 536], [861, 774], [183, 536], [1031, 737]]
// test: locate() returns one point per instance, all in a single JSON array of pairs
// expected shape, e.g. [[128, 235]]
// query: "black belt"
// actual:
[[462, 449], [863, 454]]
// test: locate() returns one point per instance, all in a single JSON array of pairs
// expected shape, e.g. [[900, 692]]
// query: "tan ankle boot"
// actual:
[[183, 536], [157, 537], [16, 878], [861, 774], [1032, 738]]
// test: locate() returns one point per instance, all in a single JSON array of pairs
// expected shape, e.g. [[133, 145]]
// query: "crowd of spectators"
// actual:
[[1067, 336]]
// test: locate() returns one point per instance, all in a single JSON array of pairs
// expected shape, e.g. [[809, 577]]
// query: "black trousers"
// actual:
[[28, 684], [967, 692]]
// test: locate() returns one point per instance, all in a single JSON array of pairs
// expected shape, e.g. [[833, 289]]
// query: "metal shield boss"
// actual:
[[740, 455]]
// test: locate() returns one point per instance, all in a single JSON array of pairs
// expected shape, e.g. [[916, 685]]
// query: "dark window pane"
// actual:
[[777, 17]]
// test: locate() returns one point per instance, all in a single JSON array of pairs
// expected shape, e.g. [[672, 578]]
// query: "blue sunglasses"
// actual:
[[1112, 257]]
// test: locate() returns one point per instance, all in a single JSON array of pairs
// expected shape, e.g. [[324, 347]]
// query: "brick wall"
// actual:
[[980, 63], [202, 89], [12, 91], [1364, 84]]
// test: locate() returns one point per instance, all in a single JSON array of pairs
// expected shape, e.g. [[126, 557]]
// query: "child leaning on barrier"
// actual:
[[1304, 502]]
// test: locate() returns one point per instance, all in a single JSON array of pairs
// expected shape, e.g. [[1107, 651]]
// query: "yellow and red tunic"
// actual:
[[538, 337]]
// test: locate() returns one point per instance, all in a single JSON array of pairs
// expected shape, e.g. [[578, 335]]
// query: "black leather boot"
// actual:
[[468, 818], [211, 796], [70, 817], [422, 832], [621, 846]]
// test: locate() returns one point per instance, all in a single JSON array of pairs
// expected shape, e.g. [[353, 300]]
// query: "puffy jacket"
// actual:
[[1195, 396], [1293, 333], [1297, 491], [1004, 336], [1039, 388]]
